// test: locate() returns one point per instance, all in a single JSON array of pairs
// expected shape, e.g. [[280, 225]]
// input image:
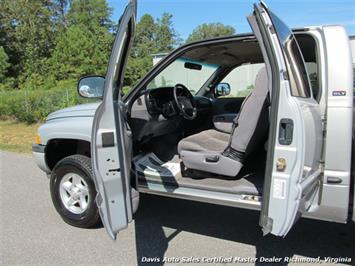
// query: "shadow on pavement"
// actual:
[[309, 238]]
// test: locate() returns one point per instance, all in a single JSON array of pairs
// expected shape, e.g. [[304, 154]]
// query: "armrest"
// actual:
[[224, 122]]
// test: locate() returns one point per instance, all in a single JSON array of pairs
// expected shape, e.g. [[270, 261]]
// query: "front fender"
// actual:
[[66, 128]]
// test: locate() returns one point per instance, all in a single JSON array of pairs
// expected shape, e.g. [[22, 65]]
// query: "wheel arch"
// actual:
[[59, 148]]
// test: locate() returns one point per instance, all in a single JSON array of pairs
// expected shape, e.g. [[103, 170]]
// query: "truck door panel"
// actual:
[[226, 105], [111, 137], [292, 178]]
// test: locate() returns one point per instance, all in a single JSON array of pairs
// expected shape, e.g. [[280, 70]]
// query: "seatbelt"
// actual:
[[229, 151], [235, 120]]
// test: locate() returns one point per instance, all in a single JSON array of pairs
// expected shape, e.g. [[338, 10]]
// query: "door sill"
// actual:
[[250, 202]]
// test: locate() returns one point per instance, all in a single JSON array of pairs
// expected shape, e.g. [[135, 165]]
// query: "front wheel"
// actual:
[[73, 191]]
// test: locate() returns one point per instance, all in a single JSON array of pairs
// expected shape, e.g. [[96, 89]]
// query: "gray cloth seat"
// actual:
[[208, 140], [222, 153]]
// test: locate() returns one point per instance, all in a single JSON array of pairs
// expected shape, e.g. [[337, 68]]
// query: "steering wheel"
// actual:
[[185, 102]]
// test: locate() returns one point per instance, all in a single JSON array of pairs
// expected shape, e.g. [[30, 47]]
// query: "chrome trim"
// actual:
[[38, 148], [39, 158]]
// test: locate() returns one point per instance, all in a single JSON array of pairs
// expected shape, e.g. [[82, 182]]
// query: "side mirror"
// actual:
[[222, 89], [91, 86]]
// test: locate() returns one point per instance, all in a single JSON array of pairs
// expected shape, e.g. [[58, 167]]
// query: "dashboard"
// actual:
[[154, 113], [161, 101]]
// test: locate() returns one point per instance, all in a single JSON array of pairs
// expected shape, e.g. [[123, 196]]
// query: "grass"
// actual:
[[17, 136]]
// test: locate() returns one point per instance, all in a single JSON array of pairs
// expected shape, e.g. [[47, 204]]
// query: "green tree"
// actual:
[[150, 37], [60, 19], [83, 47], [78, 52], [26, 33], [92, 14], [4, 64], [46, 41], [154, 36], [145, 35], [136, 69], [140, 60], [210, 30], [166, 36]]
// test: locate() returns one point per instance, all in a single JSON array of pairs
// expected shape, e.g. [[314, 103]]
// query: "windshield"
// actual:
[[191, 73]]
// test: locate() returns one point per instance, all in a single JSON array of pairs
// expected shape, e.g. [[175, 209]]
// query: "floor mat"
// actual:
[[150, 165]]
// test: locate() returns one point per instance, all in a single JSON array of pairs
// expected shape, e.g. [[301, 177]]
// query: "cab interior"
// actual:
[[219, 75]]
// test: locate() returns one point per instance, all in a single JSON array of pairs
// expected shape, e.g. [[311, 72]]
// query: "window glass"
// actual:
[[192, 77], [308, 47], [242, 80], [301, 87], [296, 67], [312, 70]]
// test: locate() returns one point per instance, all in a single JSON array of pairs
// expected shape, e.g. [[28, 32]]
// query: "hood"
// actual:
[[82, 110]]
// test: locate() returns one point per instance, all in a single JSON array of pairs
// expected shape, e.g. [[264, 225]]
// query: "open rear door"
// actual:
[[111, 136], [292, 178]]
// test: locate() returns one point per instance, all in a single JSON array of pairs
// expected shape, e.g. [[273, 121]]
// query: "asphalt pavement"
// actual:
[[32, 232]]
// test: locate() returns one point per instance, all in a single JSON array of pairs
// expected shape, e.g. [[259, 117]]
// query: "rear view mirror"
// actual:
[[193, 66], [222, 89], [91, 86]]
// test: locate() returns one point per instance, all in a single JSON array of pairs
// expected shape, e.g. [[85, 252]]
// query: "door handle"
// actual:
[[114, 170], [286, 131], [334, 180]]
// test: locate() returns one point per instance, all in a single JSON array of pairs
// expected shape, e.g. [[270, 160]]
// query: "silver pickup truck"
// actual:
[[260, 121]]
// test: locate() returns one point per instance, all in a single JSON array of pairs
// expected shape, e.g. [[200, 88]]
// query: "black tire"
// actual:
[[81, 165]]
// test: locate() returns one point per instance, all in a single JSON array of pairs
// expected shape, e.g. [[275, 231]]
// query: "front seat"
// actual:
[[222, 153]]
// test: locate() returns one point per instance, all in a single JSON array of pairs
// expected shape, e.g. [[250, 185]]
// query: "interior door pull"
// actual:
[[286, 131], [334, 180]]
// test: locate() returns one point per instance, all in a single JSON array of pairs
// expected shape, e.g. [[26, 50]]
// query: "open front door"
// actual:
[[111, 136], [292, 178]]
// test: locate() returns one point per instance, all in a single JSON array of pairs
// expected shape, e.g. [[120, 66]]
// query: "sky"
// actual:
[[188, 14]]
